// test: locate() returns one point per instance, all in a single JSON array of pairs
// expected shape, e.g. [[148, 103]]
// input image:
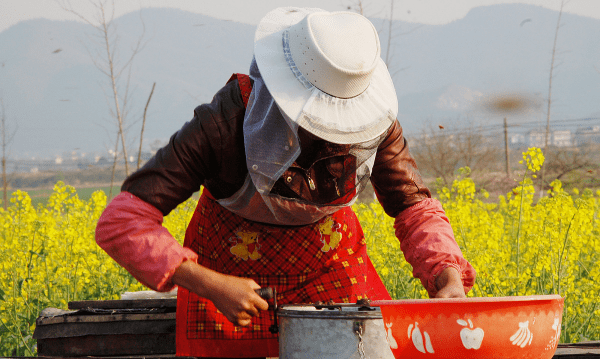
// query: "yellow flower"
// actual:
[[518, 244]]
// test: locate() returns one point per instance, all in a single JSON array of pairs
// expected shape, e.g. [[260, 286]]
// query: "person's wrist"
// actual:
[[448, 275], [196, 278]]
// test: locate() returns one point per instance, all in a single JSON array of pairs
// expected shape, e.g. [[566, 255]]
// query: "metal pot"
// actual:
[[346, 331]]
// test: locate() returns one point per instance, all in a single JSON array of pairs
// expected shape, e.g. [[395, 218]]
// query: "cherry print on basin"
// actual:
[[523, 336], [471, 338], [421, 341]]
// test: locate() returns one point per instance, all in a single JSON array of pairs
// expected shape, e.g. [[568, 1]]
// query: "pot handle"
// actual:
[[265, 293]]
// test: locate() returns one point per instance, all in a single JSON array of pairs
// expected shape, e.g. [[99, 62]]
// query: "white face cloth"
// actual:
[[272, 145], [270, 139]]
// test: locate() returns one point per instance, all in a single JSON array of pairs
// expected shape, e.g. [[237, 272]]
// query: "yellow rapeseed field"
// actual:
[[519, 246]]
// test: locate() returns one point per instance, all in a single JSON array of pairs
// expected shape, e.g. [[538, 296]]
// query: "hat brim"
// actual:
[[292, 96]]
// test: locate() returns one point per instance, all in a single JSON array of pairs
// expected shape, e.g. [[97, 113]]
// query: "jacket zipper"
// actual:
[[311, 183]]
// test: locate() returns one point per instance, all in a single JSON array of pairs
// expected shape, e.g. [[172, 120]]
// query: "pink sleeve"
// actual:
[[428, 244], [131, 232]]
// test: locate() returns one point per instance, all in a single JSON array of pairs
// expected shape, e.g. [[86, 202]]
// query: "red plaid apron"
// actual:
[[319, 262]]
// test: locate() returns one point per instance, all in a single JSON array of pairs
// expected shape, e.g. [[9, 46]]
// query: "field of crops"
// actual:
[[518, 244]]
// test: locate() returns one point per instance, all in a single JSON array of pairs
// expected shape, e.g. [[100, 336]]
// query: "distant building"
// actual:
[[536, 138], [517, 140], [587, 135], [562, 138]]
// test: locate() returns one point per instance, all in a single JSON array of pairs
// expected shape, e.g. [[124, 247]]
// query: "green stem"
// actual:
[[30, 257], [75, 279], [565, 243], [586, 322], [16, 320], [519, 225], [414, 292]]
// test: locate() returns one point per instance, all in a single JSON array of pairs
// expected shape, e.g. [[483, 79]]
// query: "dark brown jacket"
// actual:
[[209, 151]]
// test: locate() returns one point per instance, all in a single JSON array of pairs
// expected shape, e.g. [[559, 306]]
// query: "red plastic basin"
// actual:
[[489, 327]]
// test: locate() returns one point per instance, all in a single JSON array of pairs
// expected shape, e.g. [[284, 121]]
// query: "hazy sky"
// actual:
[[251, 11]]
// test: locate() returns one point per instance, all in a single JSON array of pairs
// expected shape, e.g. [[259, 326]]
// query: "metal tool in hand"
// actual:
[[266, 294]]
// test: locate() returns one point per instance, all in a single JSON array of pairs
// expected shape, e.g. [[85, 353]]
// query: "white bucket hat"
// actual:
[[324, 71]]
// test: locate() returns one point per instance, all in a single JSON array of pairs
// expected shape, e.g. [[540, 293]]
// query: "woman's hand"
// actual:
[[233, 296], [449, 284], [237, 300]]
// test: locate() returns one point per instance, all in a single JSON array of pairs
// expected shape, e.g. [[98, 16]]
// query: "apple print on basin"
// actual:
[[489, 327]]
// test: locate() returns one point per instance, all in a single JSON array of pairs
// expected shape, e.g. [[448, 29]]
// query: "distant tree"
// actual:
[[114, 168], [390, 28], [574, 166], [356, 6], [105, 57], [139, 159], [439, 151], [552, 66], [6, 141], [366, 8]]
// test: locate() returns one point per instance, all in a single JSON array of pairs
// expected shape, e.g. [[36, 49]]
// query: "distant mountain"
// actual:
[[57, 98], [499, 49]]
